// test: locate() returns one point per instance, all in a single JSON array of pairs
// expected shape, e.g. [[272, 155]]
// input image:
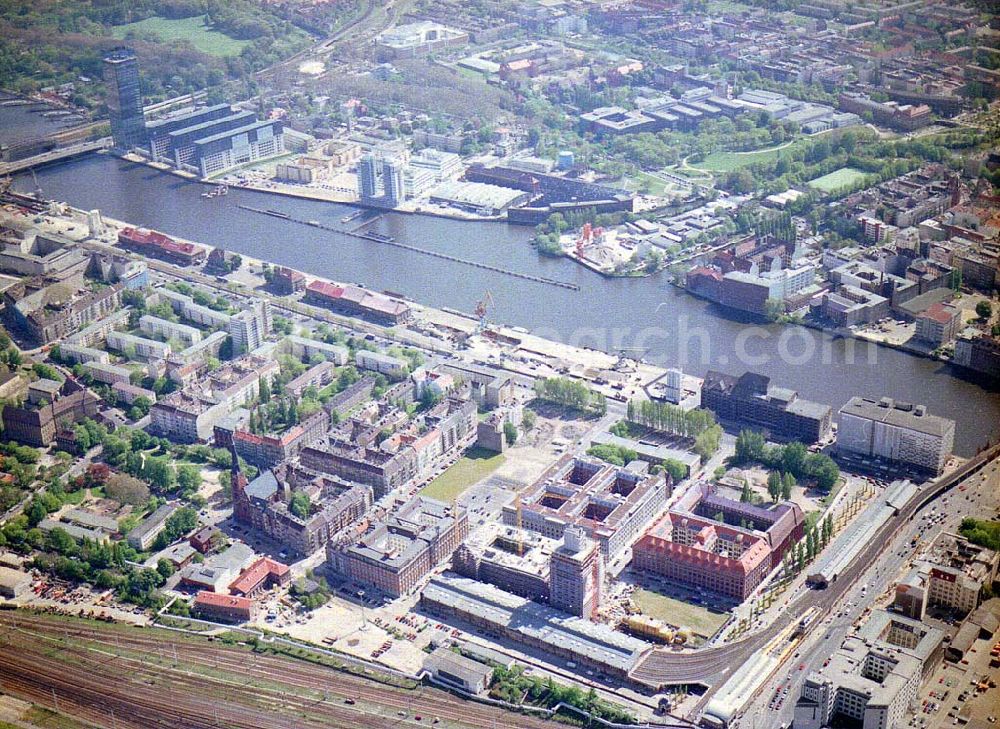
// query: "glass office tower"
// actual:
[[128, 124]]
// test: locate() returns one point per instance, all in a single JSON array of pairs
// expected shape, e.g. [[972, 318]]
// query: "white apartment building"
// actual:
[[107, 373], [895, 431], [250, 327], [385, 364], [144, 349], [156, 326]]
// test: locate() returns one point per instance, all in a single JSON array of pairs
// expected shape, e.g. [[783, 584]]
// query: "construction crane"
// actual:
[[588, 235], [623, 360], [482, 310], [38, 187]]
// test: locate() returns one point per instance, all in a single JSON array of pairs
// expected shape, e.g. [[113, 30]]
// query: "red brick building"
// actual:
[[223, 608]]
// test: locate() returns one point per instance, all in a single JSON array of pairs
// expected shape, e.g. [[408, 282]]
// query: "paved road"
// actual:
[[713, 666], [943, 514]]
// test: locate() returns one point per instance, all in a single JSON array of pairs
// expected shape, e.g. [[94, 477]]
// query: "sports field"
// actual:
[[837, 179], [474, 466], [193, 29]]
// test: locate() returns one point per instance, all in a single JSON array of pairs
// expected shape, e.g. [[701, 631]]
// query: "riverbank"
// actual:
[[512, 349], [314, 194], [670, 328]]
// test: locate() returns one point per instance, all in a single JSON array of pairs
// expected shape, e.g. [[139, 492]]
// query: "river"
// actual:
[[676, 329]]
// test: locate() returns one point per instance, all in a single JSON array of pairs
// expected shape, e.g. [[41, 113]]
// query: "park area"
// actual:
[[844, 177], [698, 619], [195, 30], [732, 161], [473, 467]]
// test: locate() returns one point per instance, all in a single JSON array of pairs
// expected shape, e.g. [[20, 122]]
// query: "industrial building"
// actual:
[[489, 608], [455, 669], [417, 39], [752, 400], [217, 607], [732, 556], [896, 432], [157, 245], [859, 534], [355, 301]]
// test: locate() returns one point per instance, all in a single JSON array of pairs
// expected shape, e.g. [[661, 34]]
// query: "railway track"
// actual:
[[103, 669]]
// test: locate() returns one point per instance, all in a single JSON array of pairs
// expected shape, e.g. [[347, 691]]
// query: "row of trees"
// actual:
[[815, 541], [512, 686], [668, 418]]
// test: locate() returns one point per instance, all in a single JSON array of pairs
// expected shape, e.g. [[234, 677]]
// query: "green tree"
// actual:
[[299, 504], [774, 485], [510, 432], [750, 447], [188, 477], [984, 310], [706, 443], [793, 457], [158, 471], [164, 567], [787, 484]]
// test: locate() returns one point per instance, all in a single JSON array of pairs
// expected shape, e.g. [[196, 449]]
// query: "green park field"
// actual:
[[193, 30], [471, 468], [700, 620]]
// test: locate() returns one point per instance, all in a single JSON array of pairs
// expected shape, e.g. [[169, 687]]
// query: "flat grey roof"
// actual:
[[891, 412], [589, 640]]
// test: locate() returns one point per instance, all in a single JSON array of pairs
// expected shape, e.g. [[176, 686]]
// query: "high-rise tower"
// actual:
[[128, 124]]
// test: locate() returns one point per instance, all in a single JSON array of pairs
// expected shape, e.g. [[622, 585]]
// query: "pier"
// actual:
[[389, 241]]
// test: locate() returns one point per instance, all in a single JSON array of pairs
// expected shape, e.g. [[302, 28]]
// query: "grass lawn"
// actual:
[[656, 185], [731, 161], [700, 620], [837, 179], [193, 29], [474, 466]]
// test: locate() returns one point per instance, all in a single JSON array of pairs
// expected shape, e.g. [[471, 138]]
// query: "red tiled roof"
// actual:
[[145, 237], [941, 313], [217, 599], [325, 288], [257, 573]]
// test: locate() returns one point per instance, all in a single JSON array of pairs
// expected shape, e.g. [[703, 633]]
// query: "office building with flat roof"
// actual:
[[612, 505], [395, 555], [752, 400], [874, 676], [124, 99], [896, 432]]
